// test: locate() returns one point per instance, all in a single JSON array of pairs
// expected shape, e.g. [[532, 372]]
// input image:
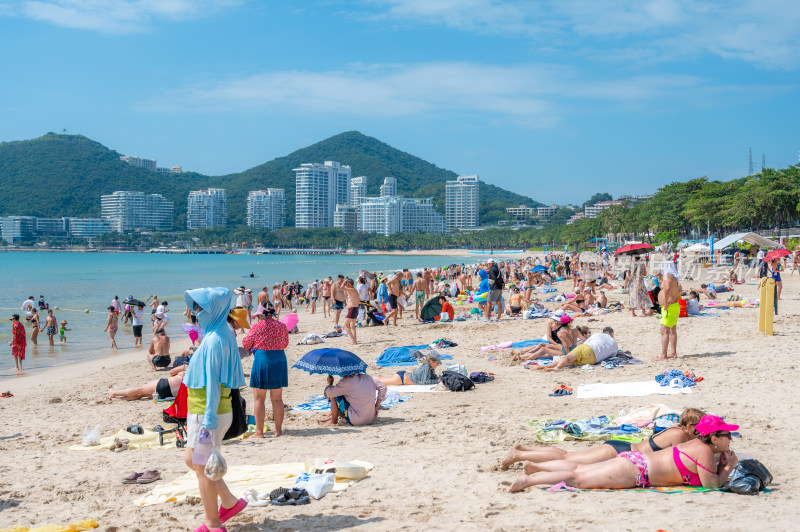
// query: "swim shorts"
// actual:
[[669, 315], [337, 305], [137, 331], [162, 388], [51, 330], [392, 301], [583, 355], [420, 295], [352, 313], [344, 407], [638, 459]]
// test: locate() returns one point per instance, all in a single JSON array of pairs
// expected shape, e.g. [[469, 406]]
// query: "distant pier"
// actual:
[[247, 251]]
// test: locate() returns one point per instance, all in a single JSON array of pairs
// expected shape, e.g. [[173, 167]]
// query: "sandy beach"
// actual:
[[436, 455]]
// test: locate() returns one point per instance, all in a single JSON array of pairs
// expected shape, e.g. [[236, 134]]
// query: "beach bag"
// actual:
[[458, 368], [317, 485], [343, 470], [480, 376], [239, 422], [748, 477], [456, 382]]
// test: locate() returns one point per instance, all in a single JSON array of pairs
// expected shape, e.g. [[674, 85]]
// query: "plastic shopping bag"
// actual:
[[317, 485], [216, 467]]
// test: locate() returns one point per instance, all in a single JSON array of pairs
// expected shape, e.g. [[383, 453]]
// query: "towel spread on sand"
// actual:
[[515, 345], [319, 403], [240, 478], [86, 524], [626, 389], [595, 429], [148, 440], [403, 356], [415, 388], [645, 413]]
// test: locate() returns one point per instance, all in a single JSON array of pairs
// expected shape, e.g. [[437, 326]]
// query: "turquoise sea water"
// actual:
[[75, 282]]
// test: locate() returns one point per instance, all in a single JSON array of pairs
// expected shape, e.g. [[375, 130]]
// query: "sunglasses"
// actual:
[[724, 435], [195, 307]]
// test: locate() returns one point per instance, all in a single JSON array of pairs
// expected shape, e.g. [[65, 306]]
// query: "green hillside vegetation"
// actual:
[[65, 175]]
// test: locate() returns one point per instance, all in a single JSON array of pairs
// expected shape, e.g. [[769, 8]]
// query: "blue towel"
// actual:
[[527, 343], [402, 356], [323, 404]]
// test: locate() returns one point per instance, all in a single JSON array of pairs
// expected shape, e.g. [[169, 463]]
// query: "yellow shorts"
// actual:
[[669, 315], [583, 355]]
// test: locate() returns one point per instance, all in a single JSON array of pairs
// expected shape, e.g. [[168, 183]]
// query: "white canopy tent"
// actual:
[[750, 238], [700, 247]]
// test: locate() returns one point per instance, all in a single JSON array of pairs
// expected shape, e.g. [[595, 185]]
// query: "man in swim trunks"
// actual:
[[670, 310], [593, 350], [158, 355], [420, 293], [50, 326], [337, 292], [352, 299], [165, 387], [395, 288]]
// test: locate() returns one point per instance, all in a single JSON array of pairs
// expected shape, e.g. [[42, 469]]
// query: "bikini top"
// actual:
[[554, 335], [653, 444], [689, 478]]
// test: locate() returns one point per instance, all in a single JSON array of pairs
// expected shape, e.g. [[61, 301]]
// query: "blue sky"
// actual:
[[555, 100]]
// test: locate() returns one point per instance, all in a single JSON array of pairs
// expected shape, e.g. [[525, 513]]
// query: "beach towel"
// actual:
[[645, 413], [622, 358], [148, 440], [415, 388], [319, 403], [528, 343], [240, 478], [594, 429], [402, 356], [657, 489], [626, 389], [86, 524]]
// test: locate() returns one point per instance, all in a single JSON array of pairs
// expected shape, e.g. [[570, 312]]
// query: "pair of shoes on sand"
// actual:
[[142, 478], [119, 445]]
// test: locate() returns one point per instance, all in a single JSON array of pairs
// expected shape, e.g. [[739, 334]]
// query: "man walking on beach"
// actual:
[[495, 289], [394, 285], [670, 310], [337, 292], [138, 322], [18, 342], [420, 293]]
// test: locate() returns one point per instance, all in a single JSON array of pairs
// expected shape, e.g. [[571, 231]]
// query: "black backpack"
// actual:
[[456, 382], [239, 422]]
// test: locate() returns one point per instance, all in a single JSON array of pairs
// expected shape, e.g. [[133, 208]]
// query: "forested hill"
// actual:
[[64, 175]]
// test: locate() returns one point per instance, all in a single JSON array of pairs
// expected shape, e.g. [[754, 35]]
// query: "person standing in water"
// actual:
[[18, 342], [35, 326], [111, 326], [50, 326]]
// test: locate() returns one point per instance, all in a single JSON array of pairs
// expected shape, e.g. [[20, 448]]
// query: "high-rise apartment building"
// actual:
[[206, 208], [266, 208], [461, 203], [345, 217], [393, 214], [134, 160], [319, 188], [389, 187], [136, 211], [358, 190]]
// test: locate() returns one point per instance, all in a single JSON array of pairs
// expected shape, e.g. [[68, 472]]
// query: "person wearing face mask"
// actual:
[[214, 370]]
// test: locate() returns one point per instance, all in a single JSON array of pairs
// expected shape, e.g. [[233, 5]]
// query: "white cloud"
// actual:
[[534, 95], [112, 16], [758, 31]]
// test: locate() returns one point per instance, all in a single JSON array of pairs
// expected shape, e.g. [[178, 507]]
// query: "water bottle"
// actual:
[[202, 448], [156, 397]]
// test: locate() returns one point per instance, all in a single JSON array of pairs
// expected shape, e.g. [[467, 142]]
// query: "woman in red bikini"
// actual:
[[693, 463]]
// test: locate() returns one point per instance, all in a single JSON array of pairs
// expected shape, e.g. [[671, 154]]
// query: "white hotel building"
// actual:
[[136, 211], [319, 188], [206, 208], [461, 205], [266, 208], [393, 214]]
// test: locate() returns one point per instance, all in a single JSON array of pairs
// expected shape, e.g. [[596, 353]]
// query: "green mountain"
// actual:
[[64, 175]]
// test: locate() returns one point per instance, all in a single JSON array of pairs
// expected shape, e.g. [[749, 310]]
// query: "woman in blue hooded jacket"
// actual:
[[214, 370]]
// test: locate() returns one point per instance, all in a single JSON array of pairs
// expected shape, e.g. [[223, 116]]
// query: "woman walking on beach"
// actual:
[[637, 291], [111, 326], [267, 339], [214, 370], [18, 342]]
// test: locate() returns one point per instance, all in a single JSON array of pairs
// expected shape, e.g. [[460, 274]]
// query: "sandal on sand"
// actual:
[[132, 478], [227, 513], [277, 492], [204, 528], [148, 477], [292, 497]]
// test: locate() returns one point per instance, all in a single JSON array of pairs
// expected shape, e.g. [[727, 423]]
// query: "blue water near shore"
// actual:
[[75, 282]]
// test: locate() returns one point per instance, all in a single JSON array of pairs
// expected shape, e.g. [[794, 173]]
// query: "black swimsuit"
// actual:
[[653, 444], [554, 337]]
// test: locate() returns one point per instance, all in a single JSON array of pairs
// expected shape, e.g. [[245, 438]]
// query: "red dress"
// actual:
[[18, 342]]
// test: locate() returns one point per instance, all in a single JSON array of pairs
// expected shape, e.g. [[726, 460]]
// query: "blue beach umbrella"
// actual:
[[331, 361], [539, 268]]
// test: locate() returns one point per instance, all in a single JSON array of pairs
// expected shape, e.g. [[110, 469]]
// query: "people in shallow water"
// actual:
[[705, 461], [682, 432]]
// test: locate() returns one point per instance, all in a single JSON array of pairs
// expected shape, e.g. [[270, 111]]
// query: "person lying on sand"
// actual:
[[593, 350], [683, 432], [567, 338], [424, 374], [165, 387], [693, 463]]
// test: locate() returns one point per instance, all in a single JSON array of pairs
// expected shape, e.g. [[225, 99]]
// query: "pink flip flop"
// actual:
[[227, 513], [204, 528]]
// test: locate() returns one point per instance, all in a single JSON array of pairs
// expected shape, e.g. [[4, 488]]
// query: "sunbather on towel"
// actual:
[[693, 463], [593, 350], [164, 387], [683, 432], [567, 337], [424, 374]]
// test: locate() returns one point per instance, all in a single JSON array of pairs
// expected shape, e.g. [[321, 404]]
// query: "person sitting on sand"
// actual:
[[353, 398], [424, 374], [568, 339], [601, 299], [682, 432], [167, 387], [693, 305], [593, 350], [578, 304], [692, 463], [514, 306]]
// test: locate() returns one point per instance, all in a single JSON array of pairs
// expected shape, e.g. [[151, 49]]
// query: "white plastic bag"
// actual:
[[345, 470], [91, 437], [317, 485], [216, 467]]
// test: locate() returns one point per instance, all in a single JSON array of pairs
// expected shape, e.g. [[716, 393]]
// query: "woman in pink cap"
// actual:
[[693, 463]]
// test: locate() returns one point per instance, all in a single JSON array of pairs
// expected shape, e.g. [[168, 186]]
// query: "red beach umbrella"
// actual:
[[776, 254], [634, 249]]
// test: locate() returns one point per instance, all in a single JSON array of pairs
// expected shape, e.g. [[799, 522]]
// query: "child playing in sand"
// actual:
[[62, 331]]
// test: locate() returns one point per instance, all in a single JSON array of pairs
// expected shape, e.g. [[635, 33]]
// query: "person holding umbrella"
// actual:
[[267, 339]]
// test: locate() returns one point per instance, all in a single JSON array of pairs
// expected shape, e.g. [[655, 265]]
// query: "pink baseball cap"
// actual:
[[709, 424], [565, 319]]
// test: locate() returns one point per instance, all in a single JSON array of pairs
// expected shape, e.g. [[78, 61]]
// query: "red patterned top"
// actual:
[[268, 334], [18, 341]]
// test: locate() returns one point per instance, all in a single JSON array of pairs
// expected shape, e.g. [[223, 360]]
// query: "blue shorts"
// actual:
[[337, 305], [344, 407]]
